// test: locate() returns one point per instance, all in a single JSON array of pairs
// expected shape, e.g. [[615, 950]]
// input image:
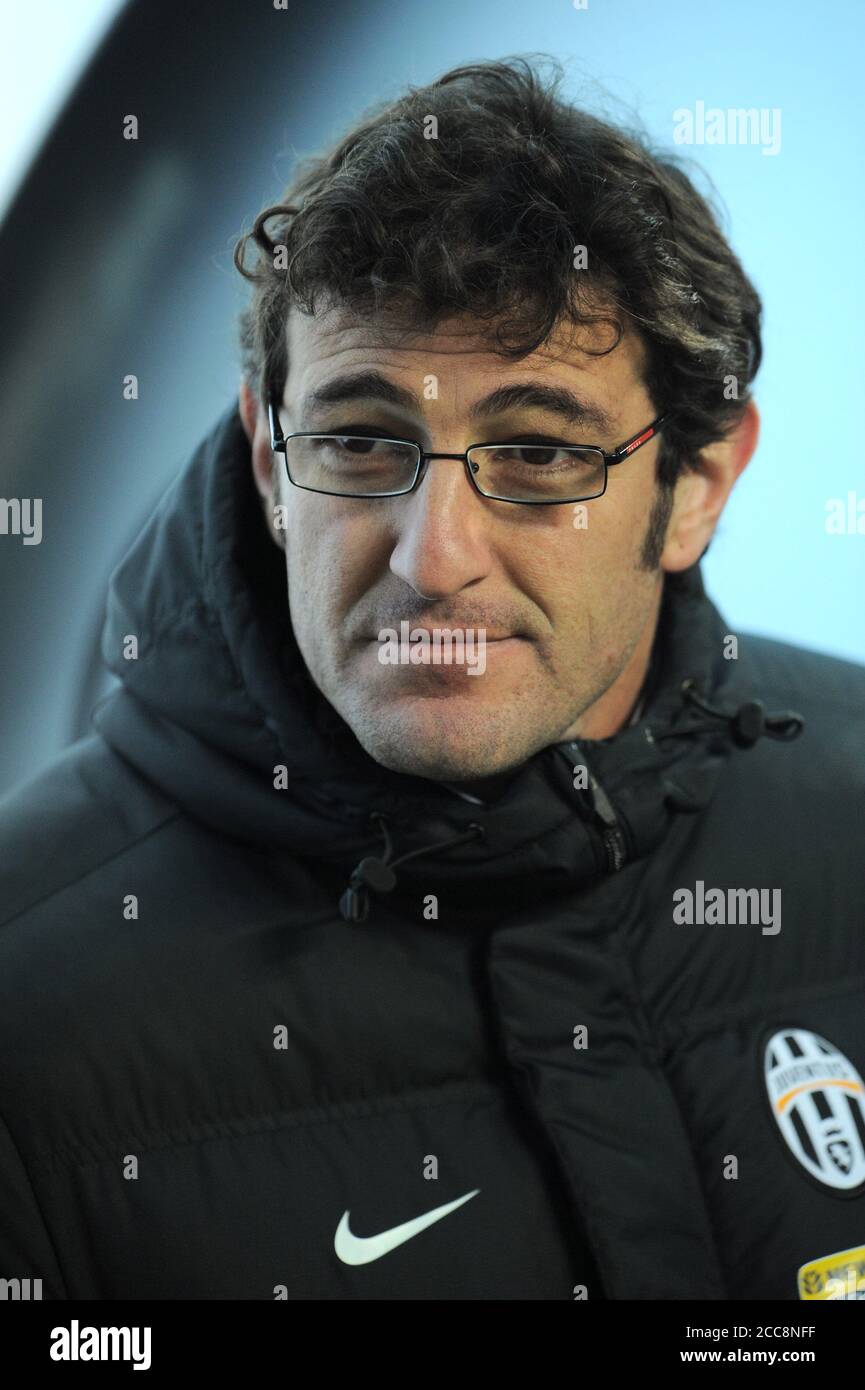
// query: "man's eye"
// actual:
[[358, 444], [351, 442], [351, 452], [530, 451]]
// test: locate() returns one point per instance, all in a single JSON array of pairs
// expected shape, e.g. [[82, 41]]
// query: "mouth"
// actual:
[[443, 666], [478, 634]]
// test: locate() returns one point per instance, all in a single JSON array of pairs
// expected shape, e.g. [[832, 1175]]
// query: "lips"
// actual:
[[479, 633]]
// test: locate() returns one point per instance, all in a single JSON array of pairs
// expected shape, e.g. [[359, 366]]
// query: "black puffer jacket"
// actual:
[[219, 1035]]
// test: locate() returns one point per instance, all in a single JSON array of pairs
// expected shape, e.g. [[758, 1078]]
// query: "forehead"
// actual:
[[326, 344]]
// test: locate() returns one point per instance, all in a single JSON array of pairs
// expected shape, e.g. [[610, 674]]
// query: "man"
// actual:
[[448, 906]]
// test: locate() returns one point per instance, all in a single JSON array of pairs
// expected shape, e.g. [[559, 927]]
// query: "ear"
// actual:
[[257, 431], [700, 496]]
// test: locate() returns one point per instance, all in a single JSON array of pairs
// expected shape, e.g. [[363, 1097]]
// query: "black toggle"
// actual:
[[374, 873], [378, 874], [750, 721]]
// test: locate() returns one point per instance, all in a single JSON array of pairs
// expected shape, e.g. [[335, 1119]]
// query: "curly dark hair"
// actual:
[[483, 219]]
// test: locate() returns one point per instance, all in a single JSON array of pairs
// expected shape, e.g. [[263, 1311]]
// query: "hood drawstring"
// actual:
[[747, 724], [378, 874]]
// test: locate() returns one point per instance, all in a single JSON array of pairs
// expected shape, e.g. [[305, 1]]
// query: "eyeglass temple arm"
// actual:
[[277, 438], [636, 441]]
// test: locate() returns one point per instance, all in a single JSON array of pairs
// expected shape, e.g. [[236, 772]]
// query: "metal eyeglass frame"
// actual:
[[279, 442]]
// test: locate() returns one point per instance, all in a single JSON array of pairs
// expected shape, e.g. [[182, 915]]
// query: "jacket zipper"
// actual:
[[613, 836]]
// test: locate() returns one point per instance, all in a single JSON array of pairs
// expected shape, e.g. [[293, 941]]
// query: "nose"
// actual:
[[442, 529]]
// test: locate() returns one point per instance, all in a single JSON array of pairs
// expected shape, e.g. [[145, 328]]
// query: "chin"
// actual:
[[418, 743]]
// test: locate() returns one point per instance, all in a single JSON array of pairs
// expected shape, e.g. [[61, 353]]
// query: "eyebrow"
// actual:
[[373, 385]]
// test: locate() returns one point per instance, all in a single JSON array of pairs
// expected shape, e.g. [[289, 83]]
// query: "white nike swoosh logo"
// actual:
[[361, 1250]]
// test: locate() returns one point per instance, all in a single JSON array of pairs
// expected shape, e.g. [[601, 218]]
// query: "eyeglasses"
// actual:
[[360, 465]]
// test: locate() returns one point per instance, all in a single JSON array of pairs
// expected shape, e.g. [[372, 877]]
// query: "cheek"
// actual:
[[610, 545], [330, 557], [584, 556], [589, 585]]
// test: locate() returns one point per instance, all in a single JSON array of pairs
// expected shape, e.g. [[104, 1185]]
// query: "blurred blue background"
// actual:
[[116, 258]]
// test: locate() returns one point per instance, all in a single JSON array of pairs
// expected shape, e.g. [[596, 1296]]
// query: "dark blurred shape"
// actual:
[[116, 258]]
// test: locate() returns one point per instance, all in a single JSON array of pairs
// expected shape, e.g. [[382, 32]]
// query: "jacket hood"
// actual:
[[218, 698]]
